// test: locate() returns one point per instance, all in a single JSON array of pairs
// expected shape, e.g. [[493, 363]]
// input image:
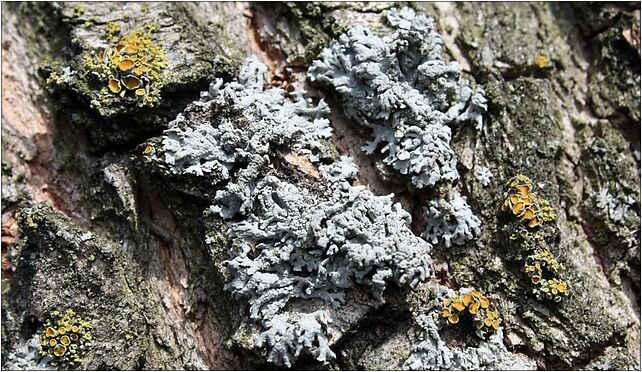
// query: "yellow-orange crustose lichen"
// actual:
[[66, 338], [542, 268], [131, 68], [470, 302], [542, 61], [526, 205]]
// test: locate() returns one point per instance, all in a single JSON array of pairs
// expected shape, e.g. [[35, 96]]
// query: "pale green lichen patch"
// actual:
[[317, 27], [112, 31]]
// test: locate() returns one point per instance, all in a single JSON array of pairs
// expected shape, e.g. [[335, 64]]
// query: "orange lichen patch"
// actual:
[[472, 303], [125, 64], [131, 82], [135, 62], [527, 215], [59, 350], [496, 323], [453, 319], [68, 341], [468, 299], [518, 207], [524, 190], [473, 308], [50, 332], [459, 306], [114, 86], [542, 61], [148, 152], [65, 340], [484, 302], [130, 49], [525, 205]]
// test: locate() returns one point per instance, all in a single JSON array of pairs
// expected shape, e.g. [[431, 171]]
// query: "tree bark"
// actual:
[[86, 225]]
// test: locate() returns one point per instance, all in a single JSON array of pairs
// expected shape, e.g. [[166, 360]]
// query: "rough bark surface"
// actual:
[[86, 224]]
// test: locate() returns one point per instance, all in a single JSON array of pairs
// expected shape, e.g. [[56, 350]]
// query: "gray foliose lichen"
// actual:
[[615, 207], [287, 250], [214, 148], [290, 251], [343, 169], [484, 175], [400, 86], [289, 334], [450, 220], [26, 356], [432, 353]]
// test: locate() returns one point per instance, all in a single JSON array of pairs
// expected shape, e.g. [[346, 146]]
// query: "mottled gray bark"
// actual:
[[86, 224]]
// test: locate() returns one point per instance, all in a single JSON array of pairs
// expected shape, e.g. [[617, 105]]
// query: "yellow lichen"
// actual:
[[130, 82], [543, 270], [112, 31], [114, 85], [542, 61], [125, 64], [78, 10], [135, 62], [66, 338], [151, 27], [472, 303], [30, 222], [526, 206], [148, 152]]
